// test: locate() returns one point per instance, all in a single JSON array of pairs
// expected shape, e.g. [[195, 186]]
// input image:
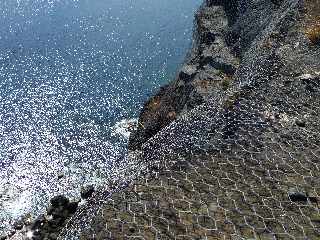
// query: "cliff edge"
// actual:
[[232, 145]]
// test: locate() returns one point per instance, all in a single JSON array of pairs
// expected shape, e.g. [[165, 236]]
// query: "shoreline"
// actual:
[[213, 137], [221, 154], [58, 104], [61, 209]]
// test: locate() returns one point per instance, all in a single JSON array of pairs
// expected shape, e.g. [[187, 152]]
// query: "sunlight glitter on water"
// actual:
[[71, 72]]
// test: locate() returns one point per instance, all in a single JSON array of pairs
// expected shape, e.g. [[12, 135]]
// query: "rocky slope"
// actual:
[[207, 74], [226, 32], [232, 145]]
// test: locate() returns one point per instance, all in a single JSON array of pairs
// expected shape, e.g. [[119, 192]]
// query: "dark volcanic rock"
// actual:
[[49, 225], [72, 207], [59, 201], [298, 197], [87, 191]]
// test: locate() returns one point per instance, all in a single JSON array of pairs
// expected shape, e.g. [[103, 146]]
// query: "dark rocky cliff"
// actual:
[[232, 146], [227, 34], [206, 74]]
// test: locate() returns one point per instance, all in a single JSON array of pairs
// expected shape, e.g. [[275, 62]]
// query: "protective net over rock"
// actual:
[[244, 162]]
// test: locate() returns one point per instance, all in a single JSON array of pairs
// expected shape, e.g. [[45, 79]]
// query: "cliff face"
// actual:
[[232, 144], [227, 34], [206, 74]]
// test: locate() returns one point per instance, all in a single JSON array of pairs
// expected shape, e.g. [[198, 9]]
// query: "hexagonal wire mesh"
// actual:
[[244, 165]]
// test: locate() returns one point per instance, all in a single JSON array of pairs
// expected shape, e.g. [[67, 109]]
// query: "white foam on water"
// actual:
[[30, 176], [124, 127], [61, 87]]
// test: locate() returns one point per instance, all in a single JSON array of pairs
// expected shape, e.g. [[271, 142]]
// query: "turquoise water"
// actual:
[[70, 70]]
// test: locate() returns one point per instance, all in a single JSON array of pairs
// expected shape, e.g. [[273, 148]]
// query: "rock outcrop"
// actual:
[[48, 225], [232, 144], [206, 74]]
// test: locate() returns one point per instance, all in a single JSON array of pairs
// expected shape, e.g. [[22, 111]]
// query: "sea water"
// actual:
[[72, 74]]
